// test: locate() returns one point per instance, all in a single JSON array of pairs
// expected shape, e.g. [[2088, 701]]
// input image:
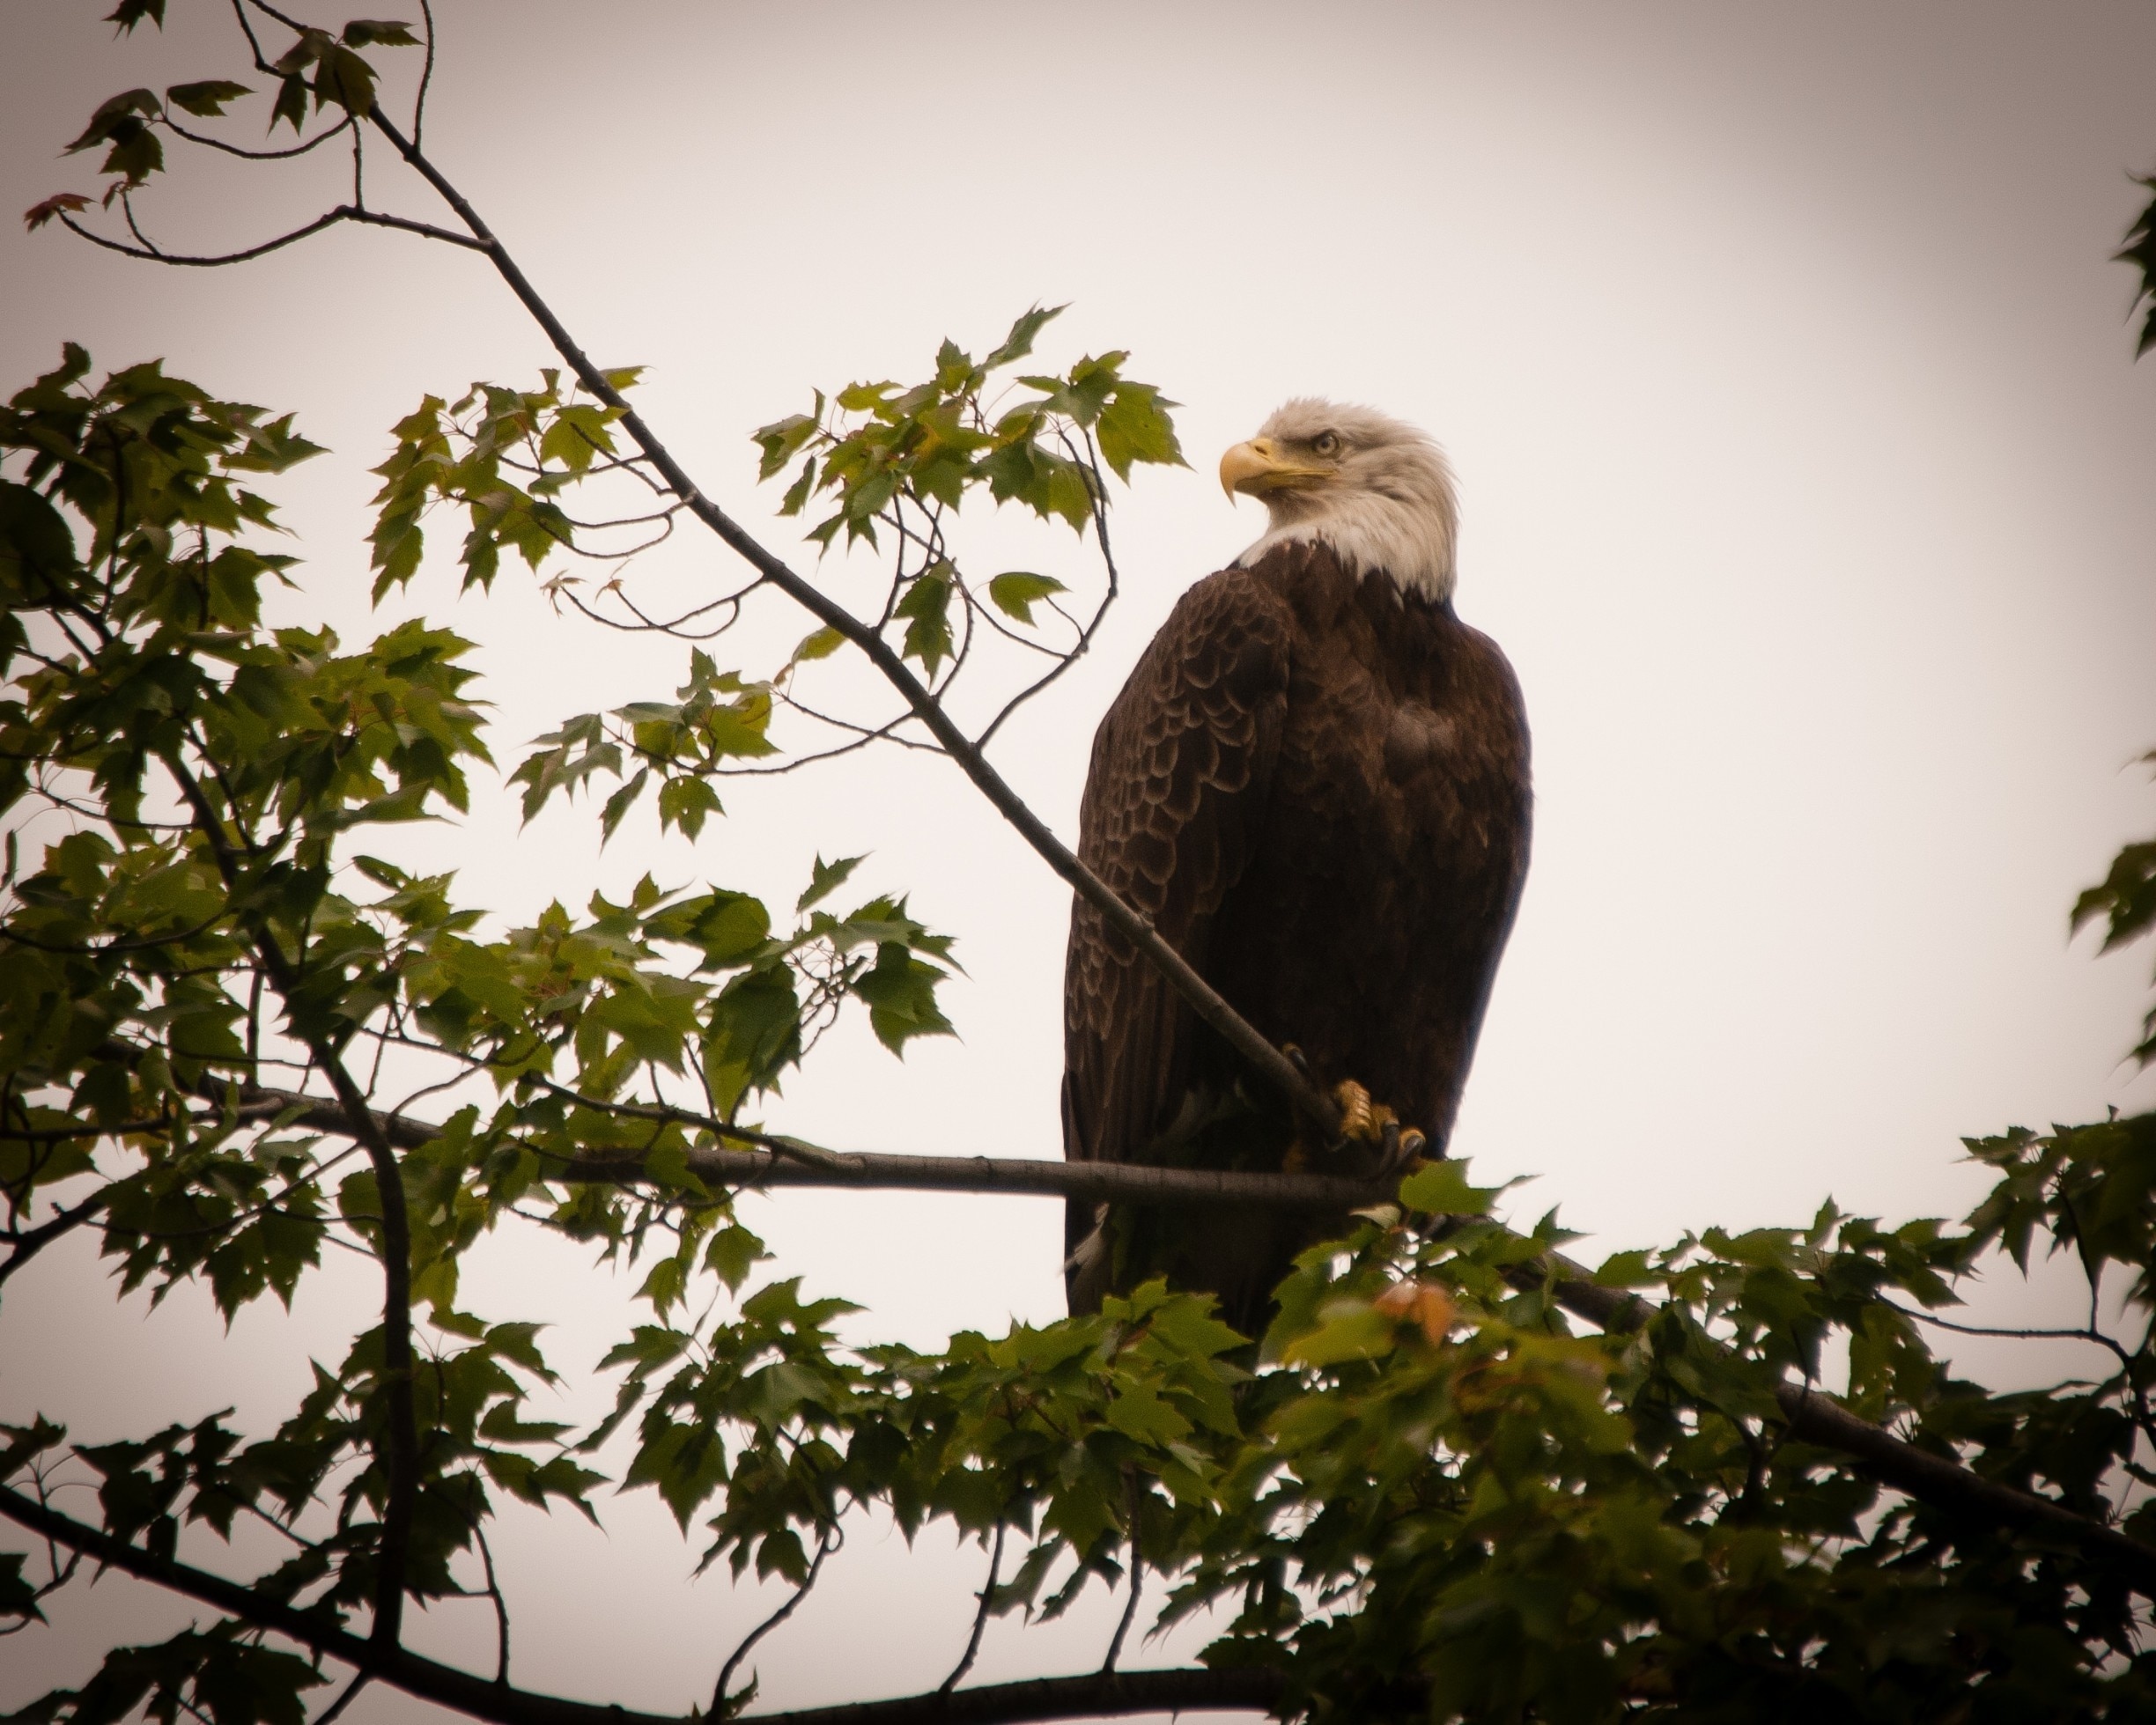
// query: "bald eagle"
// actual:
[[1316, 784]]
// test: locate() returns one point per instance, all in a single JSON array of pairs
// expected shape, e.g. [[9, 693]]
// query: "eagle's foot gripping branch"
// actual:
[[1361, 1120], [1364, 1121]]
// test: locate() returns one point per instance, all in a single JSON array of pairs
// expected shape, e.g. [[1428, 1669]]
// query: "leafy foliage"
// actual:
[[2125, 900], [321, 70], [2140, 251], [871, 444], [903, 458], [469, 454], [328, 68], [211, 911]]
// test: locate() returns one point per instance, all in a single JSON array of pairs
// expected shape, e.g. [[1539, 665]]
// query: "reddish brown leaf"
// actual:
[[38, 214]]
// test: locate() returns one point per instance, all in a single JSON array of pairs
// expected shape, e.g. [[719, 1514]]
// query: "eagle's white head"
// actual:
[[1376, 490]]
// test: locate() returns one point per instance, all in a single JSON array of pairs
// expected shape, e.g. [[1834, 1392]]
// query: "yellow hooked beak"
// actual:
[[1258, 466]]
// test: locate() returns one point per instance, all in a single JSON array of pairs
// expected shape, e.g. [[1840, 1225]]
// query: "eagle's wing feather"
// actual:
[[1174, 801]]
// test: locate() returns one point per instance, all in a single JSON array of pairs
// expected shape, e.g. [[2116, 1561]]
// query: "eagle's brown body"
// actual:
[[1316, 786]]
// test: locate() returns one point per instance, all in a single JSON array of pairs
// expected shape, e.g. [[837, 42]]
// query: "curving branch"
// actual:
[[1137, 1575], [1164, 1690], [335, 1709], [721, 1705], [245, 154], [329, 218], [1098, 491]]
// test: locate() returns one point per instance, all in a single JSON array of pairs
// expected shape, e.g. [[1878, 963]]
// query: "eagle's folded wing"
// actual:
[[1175, 801]]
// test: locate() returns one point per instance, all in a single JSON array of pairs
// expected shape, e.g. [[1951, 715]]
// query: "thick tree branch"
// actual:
[[1098, 1693], [1098, 1183], [31, 1241], [480, 1698], [1815, 1418], [1812, 1417]]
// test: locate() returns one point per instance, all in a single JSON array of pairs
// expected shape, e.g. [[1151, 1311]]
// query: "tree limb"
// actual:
[[980, 1617], [1251, 1688], [1165, 1690], [828, 1542], [1100, 1182], [1816, 1418], [1813, 1416], [32, 1240]]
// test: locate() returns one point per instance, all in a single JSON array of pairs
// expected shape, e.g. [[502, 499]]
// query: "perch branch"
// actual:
[[1812, 1417]]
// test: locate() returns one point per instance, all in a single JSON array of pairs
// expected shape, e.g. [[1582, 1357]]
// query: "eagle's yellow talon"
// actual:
[[1361, 1120], [1354, 1106]]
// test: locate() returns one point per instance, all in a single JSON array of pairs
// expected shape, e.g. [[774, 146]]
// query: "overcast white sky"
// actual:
[[1805, 480]]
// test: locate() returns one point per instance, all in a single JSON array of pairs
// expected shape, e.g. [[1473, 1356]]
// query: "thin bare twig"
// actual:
[[501, 1605], [827, 1542], [426, 73], [1937, 1322], [329, 218], [1137, 1573], [1097, 490], [980, 1617], [245, 154]]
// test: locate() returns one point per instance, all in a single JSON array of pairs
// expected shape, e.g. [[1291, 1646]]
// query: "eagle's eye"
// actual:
[[1326, 443]]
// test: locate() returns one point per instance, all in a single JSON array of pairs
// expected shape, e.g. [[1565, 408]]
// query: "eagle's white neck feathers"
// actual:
[[1384, 500]]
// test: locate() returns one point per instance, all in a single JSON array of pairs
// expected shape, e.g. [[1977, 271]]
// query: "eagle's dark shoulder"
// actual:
[[1190, 733]]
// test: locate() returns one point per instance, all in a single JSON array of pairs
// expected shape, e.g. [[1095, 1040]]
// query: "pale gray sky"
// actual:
[[1804, 474]]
